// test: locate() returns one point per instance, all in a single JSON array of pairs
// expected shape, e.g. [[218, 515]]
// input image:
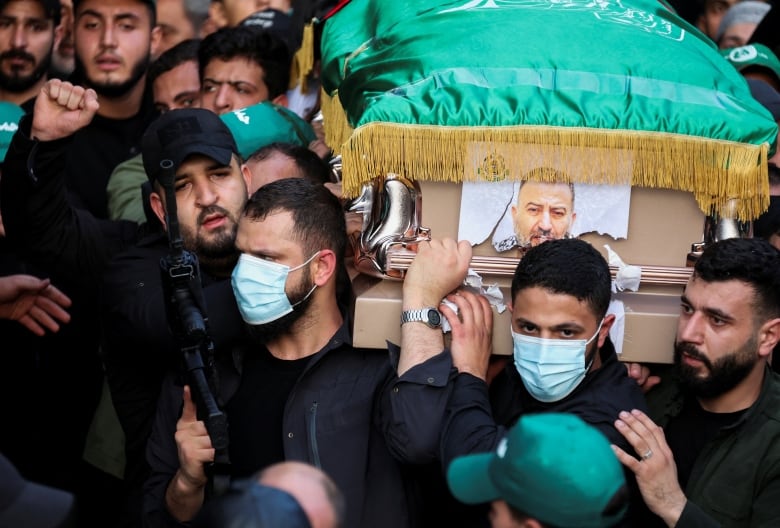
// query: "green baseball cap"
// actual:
[[264, 123], [753, 56], [553, 467], [10, 114]]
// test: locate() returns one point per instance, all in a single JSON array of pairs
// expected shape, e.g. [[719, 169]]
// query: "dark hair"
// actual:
[[318, 219], [51, 10], [184, 51], [753, 261], [317, 214], [151, 7], [308, 163], [569, 266], [256, 45], [774, 174]]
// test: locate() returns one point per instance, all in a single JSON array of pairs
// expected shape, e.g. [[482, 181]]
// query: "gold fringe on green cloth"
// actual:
[[303, 60], [715, 171], [334, 120]]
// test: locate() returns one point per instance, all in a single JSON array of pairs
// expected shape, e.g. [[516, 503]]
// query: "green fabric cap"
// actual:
[[552, 466], [260, 125], [10, 114], [753, 56]]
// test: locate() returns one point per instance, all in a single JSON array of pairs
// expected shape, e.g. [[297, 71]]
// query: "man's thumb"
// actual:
[[189, 411]]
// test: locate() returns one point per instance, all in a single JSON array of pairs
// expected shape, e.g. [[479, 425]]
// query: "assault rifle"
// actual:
[[186, 311]]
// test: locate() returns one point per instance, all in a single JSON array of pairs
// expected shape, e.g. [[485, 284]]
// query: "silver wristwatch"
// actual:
[[430, 316]]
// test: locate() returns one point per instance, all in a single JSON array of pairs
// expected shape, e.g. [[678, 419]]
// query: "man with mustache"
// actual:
[[296, 388], [118, 262], [29, 30], [544, 211], [114, 41], [716, 462]]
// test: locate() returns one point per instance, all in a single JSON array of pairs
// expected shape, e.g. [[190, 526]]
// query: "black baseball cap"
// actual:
[[274, 21], [177, 134]]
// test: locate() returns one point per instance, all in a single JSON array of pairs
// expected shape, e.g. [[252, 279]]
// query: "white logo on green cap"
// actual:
[[242, 116], [743, 54]]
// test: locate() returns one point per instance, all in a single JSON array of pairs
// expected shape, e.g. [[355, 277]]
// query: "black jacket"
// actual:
[[477, 417], [138, 347], [116, 266], [348, 414], [735, 480], [98, 148]]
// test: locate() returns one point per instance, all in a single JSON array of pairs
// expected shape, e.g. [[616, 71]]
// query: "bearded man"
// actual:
[[716, 462], [543, 211], [114, 42], [29, 31]]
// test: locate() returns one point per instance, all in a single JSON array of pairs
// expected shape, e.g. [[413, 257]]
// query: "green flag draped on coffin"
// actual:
[[445, 90]]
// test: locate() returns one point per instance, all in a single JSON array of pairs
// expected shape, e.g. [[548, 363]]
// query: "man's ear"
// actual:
[[281, 100], [768, 337], [323, 267], [609, 320], [247, 175], [155, 201], [217, 14], [154, 42]]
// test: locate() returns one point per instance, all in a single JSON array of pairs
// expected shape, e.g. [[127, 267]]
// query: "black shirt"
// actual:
[[256, 411], [690, 431]]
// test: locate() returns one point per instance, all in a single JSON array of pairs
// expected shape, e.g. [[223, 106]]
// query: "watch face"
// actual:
[[434, 317]]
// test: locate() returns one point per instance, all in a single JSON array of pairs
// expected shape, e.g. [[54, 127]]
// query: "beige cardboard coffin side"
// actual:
[[662, 226]]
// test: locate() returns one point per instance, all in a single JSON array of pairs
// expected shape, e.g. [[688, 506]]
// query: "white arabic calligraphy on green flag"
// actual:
[[423, 81]]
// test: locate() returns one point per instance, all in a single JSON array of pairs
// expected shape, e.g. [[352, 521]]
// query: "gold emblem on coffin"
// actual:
[[493, 168]]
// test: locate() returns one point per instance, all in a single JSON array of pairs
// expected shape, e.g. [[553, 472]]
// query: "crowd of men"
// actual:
[[176, 322]]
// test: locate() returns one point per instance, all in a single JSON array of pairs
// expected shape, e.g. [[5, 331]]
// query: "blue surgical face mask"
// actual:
[[551, 368], [258, 285]]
